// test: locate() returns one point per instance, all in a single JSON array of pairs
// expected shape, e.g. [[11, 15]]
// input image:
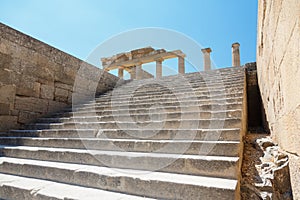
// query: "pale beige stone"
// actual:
[[206, 56], [8, 122], [63, 86], [31, 104], [55, 106], [27, 117], [47, 92], [120, 72], [131, 61], [158, 68], [278, 74], [4, 109], [8, 93], [181, 65], [236, 62], [138, 72]]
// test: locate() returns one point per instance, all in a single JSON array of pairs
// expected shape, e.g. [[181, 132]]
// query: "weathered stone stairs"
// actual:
[[173, 138]]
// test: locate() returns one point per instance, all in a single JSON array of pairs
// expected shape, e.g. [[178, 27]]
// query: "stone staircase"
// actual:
[[178, 137]]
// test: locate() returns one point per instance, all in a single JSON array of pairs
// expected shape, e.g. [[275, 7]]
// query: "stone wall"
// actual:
[[278, 65], [37, 79]]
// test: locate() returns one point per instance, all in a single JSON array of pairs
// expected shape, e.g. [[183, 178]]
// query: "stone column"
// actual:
[[236, 55], [132, 72], [181, 67], [120, 72], [159, 68], [138, 72], [206, 56]]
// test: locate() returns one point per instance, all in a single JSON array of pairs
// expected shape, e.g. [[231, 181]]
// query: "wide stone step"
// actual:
[[213, 81], [162, 105], [215, 166], [165, 101], [190, 93], [162, 102], [157, 185], [157, 89], [155, 125], [24, 188], [91, 117], [191, 147], [174, 134], [164, 109], [169, 97], [184, 83]]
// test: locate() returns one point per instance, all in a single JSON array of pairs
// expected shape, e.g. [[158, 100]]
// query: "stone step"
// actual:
[[139, 91], [154, 87], [155, 125], [157, 185], [178, 94], [191, 80], [195, 82], [91, 117], [24, 188], [165, 101], [176, 90], [160, 106], [190, 95], [174, 134], [215, 166], [176, 107], [190, 147]]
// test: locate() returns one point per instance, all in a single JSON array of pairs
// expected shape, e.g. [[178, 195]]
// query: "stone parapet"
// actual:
[[37, 79]]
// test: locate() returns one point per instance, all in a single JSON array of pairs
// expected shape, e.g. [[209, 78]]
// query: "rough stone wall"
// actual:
[[36, 79], [278, 65]]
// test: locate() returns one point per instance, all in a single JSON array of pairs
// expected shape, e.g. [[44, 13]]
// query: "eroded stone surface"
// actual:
[[278, 58], [265, 170]]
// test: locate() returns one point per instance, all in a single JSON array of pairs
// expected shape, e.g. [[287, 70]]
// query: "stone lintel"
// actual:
[[145, 59]]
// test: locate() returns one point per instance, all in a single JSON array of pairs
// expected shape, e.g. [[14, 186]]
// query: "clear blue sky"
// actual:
[[78, 26]]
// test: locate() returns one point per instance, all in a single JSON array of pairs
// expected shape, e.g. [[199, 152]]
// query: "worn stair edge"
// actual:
[[23, 188], [232, 134], [192, 147], [217, 166], [136, 182]]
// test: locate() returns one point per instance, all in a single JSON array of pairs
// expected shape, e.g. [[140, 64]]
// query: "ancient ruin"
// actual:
[[132, 62], [230, 133]]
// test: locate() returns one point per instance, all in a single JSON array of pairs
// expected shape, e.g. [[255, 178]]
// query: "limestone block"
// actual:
[[6, 76], [70, 98], [4, 109], [63, 86], [55, 106], [5, 60], [47, 92], [8, 122], [8, 93], [3, 47], [31, 104], [27, 117], [61, 94], [14, 112], [27, 86], [294, 172]]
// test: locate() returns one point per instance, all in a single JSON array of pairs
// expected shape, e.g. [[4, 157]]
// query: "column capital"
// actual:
[[159, 60], [206, 50], [234, 45]]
